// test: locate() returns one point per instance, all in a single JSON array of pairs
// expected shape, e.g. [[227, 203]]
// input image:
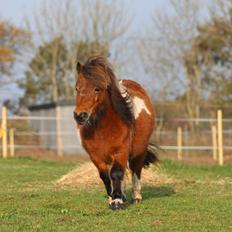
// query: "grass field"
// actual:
[[199, 200]]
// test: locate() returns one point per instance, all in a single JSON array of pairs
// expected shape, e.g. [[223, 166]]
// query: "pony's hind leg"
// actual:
[[136, 165], [118, 196]]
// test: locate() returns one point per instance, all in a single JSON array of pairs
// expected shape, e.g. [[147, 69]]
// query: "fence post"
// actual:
[[220, 138], [179, 143], [4, 129], [214, 141], [12, 147], [186, 139], [59, 142]]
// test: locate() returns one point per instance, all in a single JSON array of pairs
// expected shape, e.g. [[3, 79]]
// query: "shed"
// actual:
[[56, 127]]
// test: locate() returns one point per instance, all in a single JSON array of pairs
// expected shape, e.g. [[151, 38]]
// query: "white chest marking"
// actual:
[[139, 106]]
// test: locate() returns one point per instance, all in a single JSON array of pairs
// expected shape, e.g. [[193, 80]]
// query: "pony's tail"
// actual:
[[151, 156]]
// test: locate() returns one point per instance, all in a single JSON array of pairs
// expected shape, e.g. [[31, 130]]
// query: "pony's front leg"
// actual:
[[117, 175], [104, 175], [103, 170]]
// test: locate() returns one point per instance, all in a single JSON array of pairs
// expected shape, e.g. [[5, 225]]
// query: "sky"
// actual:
[[17, 10]]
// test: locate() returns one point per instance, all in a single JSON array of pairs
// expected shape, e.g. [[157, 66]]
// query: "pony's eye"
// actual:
[[97, 90]]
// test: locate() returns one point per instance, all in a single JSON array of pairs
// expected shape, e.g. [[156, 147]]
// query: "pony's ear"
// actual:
[[79, 67]]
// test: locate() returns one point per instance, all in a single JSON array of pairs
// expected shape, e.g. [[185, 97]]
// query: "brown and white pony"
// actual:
[[116, 119]]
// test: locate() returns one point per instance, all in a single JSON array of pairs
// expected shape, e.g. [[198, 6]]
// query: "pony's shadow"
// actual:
[[149, 192], [157, 192]]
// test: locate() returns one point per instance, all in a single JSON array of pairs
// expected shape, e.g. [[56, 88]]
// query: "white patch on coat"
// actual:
[[137, 103], [136, 187], [139, 106]]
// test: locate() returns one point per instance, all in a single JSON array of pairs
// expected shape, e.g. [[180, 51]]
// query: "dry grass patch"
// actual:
[[87, 175]]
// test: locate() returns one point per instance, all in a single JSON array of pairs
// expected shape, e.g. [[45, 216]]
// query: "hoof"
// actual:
[[116, 204], [136, 201]]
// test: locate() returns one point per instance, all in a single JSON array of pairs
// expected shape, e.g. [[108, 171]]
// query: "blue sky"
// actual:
[[16, 10]]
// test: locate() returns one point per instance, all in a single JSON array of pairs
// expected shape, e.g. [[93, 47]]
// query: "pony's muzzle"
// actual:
[[81, 118]]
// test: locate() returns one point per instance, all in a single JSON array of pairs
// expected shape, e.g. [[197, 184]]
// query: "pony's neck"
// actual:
[[105, 114], [106, 117]]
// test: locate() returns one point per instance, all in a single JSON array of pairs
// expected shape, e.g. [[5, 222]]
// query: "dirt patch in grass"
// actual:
[[87, 175]]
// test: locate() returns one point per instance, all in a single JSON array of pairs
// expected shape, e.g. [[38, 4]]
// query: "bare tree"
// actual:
[[108, 22], [220, 8], [163, 54], [169, 54], [97, 23]]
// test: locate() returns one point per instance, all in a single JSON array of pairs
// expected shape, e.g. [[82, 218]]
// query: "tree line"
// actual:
[[185, 52]]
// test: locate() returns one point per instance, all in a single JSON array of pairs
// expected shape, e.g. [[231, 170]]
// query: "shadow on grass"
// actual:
[[149, 192], [157, 192]]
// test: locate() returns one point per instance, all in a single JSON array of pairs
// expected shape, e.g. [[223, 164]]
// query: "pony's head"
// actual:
[[97, 88]]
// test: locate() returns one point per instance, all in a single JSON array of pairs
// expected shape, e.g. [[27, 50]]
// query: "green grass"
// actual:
[[29, 201], [182, 171]]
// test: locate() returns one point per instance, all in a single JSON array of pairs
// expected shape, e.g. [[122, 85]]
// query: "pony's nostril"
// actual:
[[81, 118]]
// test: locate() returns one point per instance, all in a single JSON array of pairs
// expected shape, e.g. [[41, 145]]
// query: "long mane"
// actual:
[[99, 71]]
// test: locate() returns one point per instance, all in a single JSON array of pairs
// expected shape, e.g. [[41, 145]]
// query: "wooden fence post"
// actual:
[[214, 141], [220, 138], [59, 142], [179, 143], [12, 147], [186, 138], [4, 129]]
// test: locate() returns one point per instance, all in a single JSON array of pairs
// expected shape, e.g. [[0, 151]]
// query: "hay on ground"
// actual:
[[87, 174]]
